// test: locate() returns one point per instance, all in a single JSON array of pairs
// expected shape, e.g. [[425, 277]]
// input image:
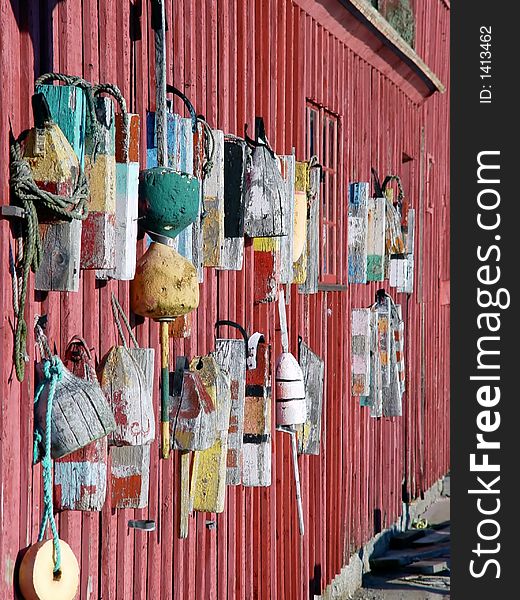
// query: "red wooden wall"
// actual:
[[236, 59]]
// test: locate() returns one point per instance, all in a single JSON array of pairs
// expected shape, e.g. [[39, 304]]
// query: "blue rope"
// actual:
[[53, 372]]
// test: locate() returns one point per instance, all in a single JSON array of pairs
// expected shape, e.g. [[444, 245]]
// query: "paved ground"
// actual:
[[403, 583]]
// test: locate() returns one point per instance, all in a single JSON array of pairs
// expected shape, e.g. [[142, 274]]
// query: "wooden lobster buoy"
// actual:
[[208, 482], [36, 577], [231, 355], [357, 231], [193, 418], [236, 155], [80, 414], [55, 168], [291, 408], [256, 450], [98, 237], [313, 368], [266, 204], [301, 185], [123, 382], [80, 478]]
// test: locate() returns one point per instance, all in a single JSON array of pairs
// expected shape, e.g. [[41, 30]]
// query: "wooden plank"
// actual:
[[130, 476], [313, 367], [357, 231], [213, 201], [80, 478], [127, 183], [384, 340], [183, 162], [55, 169], [286, 242], [376, 239], [256, 450], [235, 161], [360, 351], [128, 391], [208, 483], [230, 355], [267, 269], [392, 395], [98, 237], [374, 399], [301, 188], [265, 210], [60, 264], [310, 285]]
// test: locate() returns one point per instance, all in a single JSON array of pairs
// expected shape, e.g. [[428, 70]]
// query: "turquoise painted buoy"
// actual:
[[168, 200]]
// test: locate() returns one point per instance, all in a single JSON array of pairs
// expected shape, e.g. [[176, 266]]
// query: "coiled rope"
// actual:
[[52, 372], [62, 207]]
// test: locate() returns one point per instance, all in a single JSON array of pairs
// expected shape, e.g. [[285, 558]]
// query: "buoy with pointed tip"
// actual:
[[291, 407]]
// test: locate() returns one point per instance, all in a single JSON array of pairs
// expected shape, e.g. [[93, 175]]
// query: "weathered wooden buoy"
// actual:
[[231, 355], [236, 156], [130, 476], [357, 231], [80, 413], [36, 577], [127, 182], [313, 368], [313, 250], [288, 165], [193, 419], [126, 378], [376, 239], [55, 168], [208, 480], [98, 237], [80, 478], [291, 408], [123, 382], [301, 186], [256, 450], [213, 218], [265, 213]]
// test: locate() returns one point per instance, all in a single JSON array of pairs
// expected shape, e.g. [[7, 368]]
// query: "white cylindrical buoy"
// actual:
[[291, 406], [36, 577]]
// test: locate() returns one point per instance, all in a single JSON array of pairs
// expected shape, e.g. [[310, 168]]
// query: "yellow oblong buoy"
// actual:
[[165, 284], [36, 577]]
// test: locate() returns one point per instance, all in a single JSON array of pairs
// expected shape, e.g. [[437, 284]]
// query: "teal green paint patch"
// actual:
[[375, 267], [165, 396], [67, 104]]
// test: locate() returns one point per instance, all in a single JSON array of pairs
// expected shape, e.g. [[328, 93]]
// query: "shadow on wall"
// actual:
[[315, 583], [36, 18]]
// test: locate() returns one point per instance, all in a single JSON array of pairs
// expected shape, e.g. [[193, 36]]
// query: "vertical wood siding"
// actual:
[[237, 59]]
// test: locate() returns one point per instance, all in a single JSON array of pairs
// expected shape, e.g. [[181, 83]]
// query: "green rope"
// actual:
[[53, 372]]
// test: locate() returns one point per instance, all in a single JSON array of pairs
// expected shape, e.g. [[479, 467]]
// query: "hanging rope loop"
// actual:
[[52, 374]]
